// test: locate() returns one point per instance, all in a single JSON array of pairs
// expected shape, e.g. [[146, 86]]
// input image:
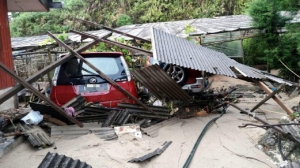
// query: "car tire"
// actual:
[[177, 73]]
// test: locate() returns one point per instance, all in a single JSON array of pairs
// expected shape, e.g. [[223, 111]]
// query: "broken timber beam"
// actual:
[[13, 91], [276, 128], [40, 95], [121, 45], [102, 75], [112, 30], [267, 98], [275, 98]]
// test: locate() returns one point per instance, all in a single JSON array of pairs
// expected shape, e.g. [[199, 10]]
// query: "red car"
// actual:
[[75, 77]]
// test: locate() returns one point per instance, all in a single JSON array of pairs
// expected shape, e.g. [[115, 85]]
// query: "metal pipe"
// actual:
[[276, 128]]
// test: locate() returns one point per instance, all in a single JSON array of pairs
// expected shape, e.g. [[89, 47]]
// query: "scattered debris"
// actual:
[[71, 131], [135, 129], [56, 160], [158, 151], [153, 130], [36, 136], [33, 117]]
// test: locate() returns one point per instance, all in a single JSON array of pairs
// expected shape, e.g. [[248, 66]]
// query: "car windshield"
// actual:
[[107, 65]]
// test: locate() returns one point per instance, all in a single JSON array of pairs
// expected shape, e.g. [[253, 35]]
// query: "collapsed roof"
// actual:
[[174, 50]]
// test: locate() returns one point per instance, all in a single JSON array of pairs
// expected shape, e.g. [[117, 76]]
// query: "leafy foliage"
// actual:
[[271, 46], [123, 20], [57, 20], [114, 13]]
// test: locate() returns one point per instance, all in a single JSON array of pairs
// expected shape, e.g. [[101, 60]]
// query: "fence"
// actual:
[[27, 64]]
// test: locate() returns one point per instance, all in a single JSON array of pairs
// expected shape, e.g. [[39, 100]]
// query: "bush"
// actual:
[[123, 20]]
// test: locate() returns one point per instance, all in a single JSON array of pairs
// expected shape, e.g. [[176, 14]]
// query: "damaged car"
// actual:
[[75, 77]]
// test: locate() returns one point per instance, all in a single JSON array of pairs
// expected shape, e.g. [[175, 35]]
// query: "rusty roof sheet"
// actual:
[[175, 50], [160, 84], [35, 41], [52, 160]]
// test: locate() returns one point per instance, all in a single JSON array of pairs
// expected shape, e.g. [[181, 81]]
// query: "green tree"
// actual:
[[114, 13], [273, 46]]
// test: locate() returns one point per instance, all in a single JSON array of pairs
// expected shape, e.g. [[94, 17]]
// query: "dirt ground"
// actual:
[[223, 146]]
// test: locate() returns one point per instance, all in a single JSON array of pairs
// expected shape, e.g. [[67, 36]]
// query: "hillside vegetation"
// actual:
[[114, 13], [278, 50]]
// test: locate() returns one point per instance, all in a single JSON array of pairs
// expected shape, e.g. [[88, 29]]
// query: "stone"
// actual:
[[269, 139]]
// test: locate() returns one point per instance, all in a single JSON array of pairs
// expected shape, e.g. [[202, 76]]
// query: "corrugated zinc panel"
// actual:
[[153, 130], [158, 151], [52, 160], [160, 83], [5, 47], [175, 50], [36, 136], [201, 26]]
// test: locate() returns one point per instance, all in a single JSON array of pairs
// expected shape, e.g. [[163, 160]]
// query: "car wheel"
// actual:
[[179, 74]]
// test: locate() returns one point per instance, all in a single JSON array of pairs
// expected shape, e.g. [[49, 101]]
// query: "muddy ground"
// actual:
[[224, 144]]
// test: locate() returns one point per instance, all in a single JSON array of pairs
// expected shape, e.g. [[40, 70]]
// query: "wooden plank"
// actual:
[[275, 98], [40, 95], [268, 97]]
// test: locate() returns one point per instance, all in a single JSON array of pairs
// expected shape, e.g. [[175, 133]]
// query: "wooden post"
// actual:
[[40, 95], [48, 74], [275, 98], [267, 98]]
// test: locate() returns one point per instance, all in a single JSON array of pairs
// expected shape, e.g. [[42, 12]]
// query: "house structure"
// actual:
[[6, 6]]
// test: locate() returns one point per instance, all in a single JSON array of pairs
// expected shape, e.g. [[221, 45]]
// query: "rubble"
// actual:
[[282, 150], [175, 103]]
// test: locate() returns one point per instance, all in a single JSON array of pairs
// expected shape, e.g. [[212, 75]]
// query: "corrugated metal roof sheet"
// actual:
[[72, 131], [153, 130], [175, 50], [201, 26], [278, 80], [160, 83], [158, 151], [35, 41], [36, 136], [53, 160]]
